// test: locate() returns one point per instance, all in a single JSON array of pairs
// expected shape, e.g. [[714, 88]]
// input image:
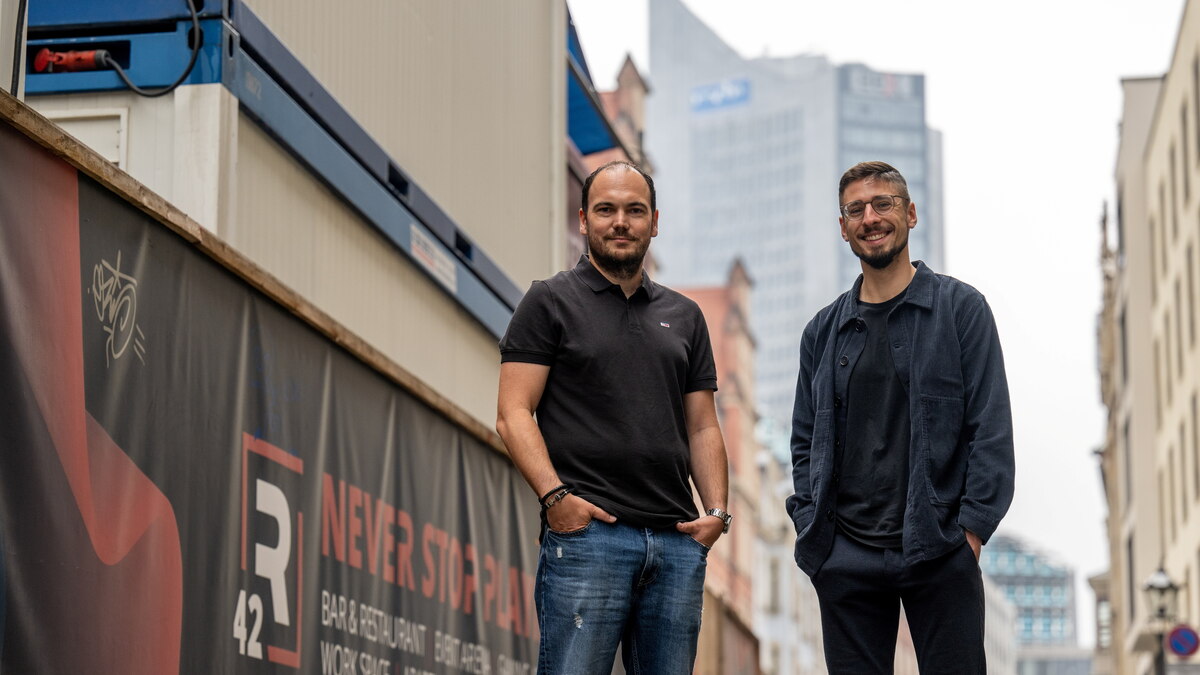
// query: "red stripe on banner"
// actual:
[[130, 524], [273, 453]]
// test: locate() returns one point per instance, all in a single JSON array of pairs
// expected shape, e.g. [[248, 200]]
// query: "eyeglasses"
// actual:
[[883, 204]]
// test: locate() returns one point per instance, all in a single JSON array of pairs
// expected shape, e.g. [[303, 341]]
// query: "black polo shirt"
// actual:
[[612, 411]]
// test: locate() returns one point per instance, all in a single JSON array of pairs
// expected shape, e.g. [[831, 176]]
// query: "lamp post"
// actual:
[[1161, 593]]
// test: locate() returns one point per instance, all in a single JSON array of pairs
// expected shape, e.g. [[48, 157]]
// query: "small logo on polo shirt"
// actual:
[[664, 324]]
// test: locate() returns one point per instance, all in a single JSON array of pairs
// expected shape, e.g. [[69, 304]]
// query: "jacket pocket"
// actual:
[[822, 444], [945, 461]]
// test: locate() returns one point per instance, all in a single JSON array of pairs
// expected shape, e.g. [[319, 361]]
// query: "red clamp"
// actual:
[[47, 61]]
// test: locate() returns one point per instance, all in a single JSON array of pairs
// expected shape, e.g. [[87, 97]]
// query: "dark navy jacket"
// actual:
[[948, 357]]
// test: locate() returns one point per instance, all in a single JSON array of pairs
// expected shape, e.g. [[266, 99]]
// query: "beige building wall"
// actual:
[[1128, 383], [905, 662], [470, 102], [729, 582], [1172, 192], [787, 614], [1151, 375], [1103, 662], [999, 630]]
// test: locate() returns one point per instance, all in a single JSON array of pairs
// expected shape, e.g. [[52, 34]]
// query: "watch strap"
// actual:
[[724, 515]]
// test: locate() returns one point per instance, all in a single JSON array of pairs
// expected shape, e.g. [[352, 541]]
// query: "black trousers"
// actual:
[[860, 589]]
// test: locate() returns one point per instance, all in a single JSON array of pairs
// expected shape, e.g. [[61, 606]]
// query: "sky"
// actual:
[[1027, 94]]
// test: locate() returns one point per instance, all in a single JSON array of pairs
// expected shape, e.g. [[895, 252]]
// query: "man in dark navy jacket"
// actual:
[[902, 447]]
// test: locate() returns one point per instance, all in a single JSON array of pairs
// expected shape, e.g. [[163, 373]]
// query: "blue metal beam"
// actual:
[[90, 15]]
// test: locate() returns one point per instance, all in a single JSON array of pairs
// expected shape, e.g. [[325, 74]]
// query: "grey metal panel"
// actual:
[[458, 94], [299, 231], [261, 97], [300, 103]]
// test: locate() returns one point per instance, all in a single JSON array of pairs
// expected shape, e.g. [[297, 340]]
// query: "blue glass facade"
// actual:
[[1042, 591]]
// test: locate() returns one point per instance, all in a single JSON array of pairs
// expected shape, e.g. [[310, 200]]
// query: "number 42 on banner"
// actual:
[[250, 647]]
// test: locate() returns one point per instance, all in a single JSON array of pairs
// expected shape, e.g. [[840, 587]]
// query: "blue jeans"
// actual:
[[610, 584]]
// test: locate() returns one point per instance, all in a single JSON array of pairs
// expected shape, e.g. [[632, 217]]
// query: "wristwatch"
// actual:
[[725, 517]]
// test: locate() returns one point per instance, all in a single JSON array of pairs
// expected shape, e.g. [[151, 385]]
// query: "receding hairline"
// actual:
[[611, 167]]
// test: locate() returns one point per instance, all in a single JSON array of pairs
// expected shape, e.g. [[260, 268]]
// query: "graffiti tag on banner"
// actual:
[[114, 295]]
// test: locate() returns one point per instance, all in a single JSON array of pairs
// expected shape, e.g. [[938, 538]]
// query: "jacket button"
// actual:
[[837, 442], [844, 360], [837, 401], [858, 326], [828, 514]]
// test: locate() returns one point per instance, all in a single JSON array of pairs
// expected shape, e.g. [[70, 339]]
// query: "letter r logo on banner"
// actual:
[[269, 474], [271, 562]]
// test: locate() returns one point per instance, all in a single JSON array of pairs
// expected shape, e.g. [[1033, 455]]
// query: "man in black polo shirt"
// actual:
[[619, 371], [902, 447]]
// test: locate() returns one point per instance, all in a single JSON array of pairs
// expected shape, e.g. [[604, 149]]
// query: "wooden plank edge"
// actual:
[[61, 144]]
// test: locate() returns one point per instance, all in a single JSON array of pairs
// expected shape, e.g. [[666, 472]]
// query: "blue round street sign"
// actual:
[[1183, 640]]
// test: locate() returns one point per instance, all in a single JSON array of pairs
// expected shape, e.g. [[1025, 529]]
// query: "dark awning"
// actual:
[[587, 125]]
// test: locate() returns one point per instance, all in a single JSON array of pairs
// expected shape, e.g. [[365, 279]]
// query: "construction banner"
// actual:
[[194, 480]]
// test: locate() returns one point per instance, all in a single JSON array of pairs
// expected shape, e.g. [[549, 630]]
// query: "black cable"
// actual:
[[17, 51], [107, 59]]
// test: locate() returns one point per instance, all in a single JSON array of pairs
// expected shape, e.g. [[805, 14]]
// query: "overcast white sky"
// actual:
[[1028, 96]]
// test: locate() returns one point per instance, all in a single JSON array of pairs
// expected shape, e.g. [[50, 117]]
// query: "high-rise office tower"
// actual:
[[748, 153]]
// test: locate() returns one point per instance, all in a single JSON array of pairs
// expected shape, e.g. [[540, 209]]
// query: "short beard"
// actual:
[[621, 268], [625, 267], [881, 260]]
